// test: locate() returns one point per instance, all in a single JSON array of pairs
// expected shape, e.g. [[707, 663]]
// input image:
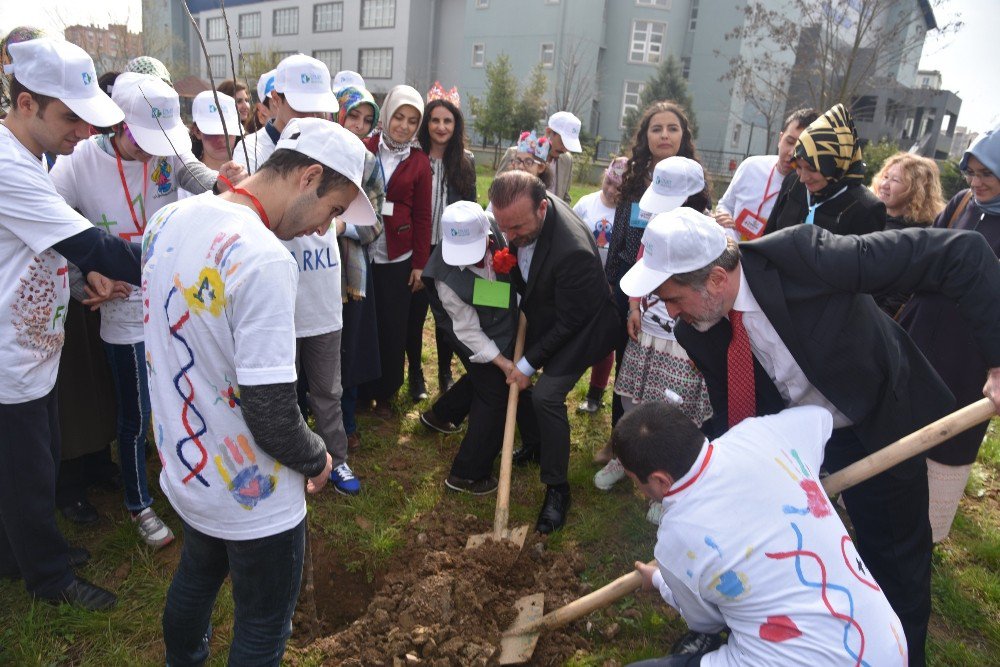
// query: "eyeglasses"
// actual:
[[981, 175], [522, 162]]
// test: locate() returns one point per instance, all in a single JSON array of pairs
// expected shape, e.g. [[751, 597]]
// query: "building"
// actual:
[[111, 47], [167, 20]]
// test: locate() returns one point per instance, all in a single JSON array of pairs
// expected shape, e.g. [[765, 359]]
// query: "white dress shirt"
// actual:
[[524, 255]]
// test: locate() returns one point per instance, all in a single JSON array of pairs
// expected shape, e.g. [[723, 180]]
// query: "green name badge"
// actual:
[[492, 293]]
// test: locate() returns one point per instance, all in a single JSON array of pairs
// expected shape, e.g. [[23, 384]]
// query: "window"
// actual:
[[216, 29], [478, 55], [630, 100], [329, 57], [286, 21], [548, 56], [735, 139], [249, 25], [659, 4], [647, 42], [693, 18], [375, 63], [328, 17], [378, 13], [219, 67], [482, 4], [686, 67]]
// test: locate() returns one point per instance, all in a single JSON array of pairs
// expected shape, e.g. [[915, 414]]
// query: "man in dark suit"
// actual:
[[799, 300], [571, 318]]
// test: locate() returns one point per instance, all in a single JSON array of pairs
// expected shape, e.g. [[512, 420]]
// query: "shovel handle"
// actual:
[[919, 441], [502, 515]]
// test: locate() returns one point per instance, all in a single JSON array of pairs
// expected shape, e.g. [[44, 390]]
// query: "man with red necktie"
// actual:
[[795, 307]]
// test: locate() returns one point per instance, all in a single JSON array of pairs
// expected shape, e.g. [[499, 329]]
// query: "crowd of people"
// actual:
[[277, 258]]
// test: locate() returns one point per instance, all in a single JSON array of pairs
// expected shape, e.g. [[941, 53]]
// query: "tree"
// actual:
[[666, 84], [532, 106], [578, 79], [494, 117]]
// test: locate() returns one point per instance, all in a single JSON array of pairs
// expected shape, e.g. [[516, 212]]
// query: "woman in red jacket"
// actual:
[[399, 255]]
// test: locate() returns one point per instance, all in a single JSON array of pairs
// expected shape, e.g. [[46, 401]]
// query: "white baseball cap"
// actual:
[[568, 127], [206, 114], [347, 79], [305, 83], [152, 112], [465, 230], [64, 71], [674, 242], [674, 180], [337, 148], [265, 84]]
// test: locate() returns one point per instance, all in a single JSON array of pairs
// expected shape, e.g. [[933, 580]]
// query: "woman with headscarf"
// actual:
[[400, 253], [945, 339], [359, 358], [827, 188]]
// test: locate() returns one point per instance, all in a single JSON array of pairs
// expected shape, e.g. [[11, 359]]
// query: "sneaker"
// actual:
[[477, 487], [590, 406], [609, 475], [344, 480], [152, 530], [697, 642], [655, 513], [431, 421]]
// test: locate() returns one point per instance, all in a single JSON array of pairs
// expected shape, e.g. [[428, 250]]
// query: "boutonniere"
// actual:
[[503, 261]]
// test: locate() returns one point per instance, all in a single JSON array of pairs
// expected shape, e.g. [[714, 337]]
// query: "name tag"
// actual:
[[387, 207], [639, 218], [491, 293], [749, 225]]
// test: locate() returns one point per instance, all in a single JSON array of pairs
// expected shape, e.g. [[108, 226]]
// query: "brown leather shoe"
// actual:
[[353, 442]]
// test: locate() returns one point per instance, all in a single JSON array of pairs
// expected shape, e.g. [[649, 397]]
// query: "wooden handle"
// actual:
[[507, 453], [920, 441]]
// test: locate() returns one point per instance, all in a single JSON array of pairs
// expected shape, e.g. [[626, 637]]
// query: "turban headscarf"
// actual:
[[830, 146]]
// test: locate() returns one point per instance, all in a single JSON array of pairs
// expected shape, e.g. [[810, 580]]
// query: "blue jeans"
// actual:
[[266, 574], [348, 406], [128, 368]]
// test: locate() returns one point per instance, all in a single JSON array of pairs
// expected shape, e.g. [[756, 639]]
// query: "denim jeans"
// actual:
[[128, 368], [266, 574], [348, 406]]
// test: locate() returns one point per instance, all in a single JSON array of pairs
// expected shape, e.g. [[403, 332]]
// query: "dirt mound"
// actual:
[[442, 605]]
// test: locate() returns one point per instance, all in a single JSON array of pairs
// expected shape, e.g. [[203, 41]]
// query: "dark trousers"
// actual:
[[392, 307], [266, 575], [889, 513], [30, 541], [482, 395], [548, 397], [621, 301], [419, 306]]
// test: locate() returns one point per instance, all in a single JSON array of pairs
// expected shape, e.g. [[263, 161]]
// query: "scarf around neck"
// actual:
[[830, 146]]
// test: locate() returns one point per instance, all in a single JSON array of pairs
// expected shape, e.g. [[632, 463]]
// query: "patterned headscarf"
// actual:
[[151, 66], [352, 97], [830, 146]]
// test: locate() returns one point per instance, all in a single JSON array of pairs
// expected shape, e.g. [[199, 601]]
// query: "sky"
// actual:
[[964, 58]]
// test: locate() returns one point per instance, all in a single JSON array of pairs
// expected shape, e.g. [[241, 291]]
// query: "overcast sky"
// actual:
[[965, 59]]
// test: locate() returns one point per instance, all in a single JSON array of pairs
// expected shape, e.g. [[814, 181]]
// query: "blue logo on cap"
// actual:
[[87, 79], [213, 109], [157, 113], [305, 78]]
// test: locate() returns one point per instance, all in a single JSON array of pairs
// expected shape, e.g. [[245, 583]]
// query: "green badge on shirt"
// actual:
[[492, 293]]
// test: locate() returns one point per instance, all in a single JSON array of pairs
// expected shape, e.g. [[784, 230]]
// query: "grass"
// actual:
[[485, 174]]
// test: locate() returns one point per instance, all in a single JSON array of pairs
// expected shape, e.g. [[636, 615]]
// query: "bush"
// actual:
[[952, 181], [875, 155]]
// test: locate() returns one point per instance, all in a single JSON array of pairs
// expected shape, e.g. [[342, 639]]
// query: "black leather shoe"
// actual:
[[431, 421], [554, 509], [418, 388], [445, 382], [78, 556], [80, 512], [83, 594], [526, 454]]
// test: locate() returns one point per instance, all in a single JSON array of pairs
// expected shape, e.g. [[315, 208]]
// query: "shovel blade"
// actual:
[[515, 536], [515, 647]]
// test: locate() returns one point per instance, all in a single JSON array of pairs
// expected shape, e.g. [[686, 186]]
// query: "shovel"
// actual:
[[518, 641], [500, 531]]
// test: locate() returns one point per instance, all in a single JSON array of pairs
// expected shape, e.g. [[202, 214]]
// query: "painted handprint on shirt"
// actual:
[[237, 464]]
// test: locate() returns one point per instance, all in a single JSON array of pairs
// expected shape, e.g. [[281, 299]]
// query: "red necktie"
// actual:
[[739, 361]]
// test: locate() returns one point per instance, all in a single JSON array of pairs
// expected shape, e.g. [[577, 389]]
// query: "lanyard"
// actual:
[[704, 464], [128, 196], [812, 207], [767, 191], [385, 184], [253, 200]]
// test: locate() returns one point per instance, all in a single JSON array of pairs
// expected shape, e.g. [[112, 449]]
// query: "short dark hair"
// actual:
[[656, 436], [728, 260], [510, 185], [284, 161], [16, 88], [801, 117]]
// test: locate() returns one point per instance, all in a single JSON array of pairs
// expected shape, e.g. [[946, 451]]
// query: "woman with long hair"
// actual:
[[442, 137]]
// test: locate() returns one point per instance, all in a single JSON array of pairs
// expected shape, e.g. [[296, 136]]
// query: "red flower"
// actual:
[[503, 261]]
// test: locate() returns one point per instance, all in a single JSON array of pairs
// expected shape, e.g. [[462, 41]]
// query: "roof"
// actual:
[[190, 86]]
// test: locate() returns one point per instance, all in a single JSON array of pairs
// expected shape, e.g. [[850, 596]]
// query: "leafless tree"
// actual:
[[577, 78]]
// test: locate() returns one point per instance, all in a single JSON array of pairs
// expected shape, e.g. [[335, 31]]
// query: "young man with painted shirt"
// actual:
[[751, 195], [54, 101], [219, 297], [302, 89], [781, 573]]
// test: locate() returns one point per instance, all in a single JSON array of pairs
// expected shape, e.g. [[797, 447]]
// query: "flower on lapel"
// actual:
[[503, 261]]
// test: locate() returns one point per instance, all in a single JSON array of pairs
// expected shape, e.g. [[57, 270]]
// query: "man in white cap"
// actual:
[[786, 321], [472, 298], [265, 84], [237, 455], [54, 101], [563, 133]]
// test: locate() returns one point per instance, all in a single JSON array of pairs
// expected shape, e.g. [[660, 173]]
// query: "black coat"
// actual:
[[856, 211], [572, 321], [814, 288]]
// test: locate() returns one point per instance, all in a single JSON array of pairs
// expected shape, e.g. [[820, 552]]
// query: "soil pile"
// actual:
[[443, 606]]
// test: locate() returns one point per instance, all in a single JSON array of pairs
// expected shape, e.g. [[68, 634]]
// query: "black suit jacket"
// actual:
[[856, 211], [571, 316], [814, 287]]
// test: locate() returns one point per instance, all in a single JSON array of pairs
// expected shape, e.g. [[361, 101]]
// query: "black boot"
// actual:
[[418, 388]]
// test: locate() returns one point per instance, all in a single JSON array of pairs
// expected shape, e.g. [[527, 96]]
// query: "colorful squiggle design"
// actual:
[[187, 396]]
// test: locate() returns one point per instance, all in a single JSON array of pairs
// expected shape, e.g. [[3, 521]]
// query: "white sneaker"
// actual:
[[655, 513], [152, 530], [609, 475]]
